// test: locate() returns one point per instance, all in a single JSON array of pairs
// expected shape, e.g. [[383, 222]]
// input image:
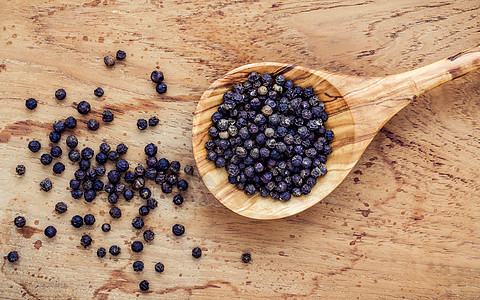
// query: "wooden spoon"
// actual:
[[358, 107]]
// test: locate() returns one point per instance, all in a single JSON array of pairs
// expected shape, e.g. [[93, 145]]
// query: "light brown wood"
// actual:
[[358, 107], [403, 223]]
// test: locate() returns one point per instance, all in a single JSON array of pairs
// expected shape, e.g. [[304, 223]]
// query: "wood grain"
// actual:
[[402, 224]]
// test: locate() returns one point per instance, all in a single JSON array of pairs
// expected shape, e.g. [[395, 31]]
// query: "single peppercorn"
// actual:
[[144, 285], [122, 149], [83, 107], [113, 156], [107, 116], [50, 231], [114, 250], [112, 198], [145, 193], [70, 122], [54, 137], [31, 103], [157, 76], [74, 155], [137, 223], [188, 170], [128, 195], [100, 170], [58, 168], [175, 166], [151, 173], [46, 185], [114, 176], [59, 126], [122, 165], [152, 203], [161, 88], [246, 257], [115, 212], [138, 266], [182, 185], [151, 161], [20, 169], [89, 195], [60, 207], [153, 121], [109, 61], [137, 246], [105, 148], [101, 252], [148, 236], [76, 194], [178, 229], [93, 124], [159, 267], [71, 141], [196, 252], [101, 158], [142, 124], [178, 199], [121, 55], [46, 159], [19, 221], [56, 151], [143, 210], [34, 146], [60, 94], [86, 240], [12, 256], [89, 219], [138, 183], [151, 149]]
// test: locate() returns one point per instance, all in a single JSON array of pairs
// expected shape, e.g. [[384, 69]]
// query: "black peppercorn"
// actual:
[[166, 188], [34, 146], [109, 61], [56, 151], [60, 207], [115, 212], [89, 219], [178, 229], [137, 246], [188, 170], [113, 156], [84, 165], [19, 221], [86, 240], [114, 176], [178, 199], [93, 124], [120, 188], [76, 194], [105, 148], [161, 88], [246, 257], [101, 158], [50, 231], [143, 210], [121, 55], [122, 149], [74, 155], [109, 187], [142, 124], [70, 122], [174, 166], [148, 236], [144, 285], [153, 121], [101, 252], [107, 116], [156, 76], [138, 266], [46, 185], [137, 223], [182, 185], [59, 126], [162, 165], [12, 256], [106, 227], [138, 183], [196, 252], [31, 103], [60, 94], [151, 149], [151, 161], [152, 203], [122, 165], [58, 168], [114, 250], [54, 137], [20, 169], [145, 193], [128, 195], [83, 107], [159, 267], [151, 173], [72, 141], [46, 159], [89, 195]]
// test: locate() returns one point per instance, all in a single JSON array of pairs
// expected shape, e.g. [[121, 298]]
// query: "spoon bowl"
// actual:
[[357, 107]]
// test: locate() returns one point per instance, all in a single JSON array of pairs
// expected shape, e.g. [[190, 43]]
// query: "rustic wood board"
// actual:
[[403, 224]]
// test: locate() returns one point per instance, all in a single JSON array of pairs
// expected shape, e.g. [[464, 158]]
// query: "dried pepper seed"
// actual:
[[70, 122], [172, 179], [246, 257], [89, 195], [113, 156], [143, 210], [128, 195], [20, 169], [12, 256], [121, 55], [122, 165], [98, 92], [31, 103], [188, 170], [137, 246], [72, 141], [144, 285], [60, 207], [101, 252], [145, 193], [153, 121], [151, 149], [101, 158], [84, 165], [86, 240], [151, 161], [34, 146], [89, 219], [83, 107], [178, 199], [156, 76], [56, 151], [159, 267], [178, 229], [142, 124], [59, 126], [152, 203], [151, 173], [174, 166], [46, 159], [46, 185], [50, 231], [60, 94], [74, 155], [161, 88], [105, 148], [115, 212], [196, 252], [137, 223], [58, 168], [138, 183], [100, 170], [166, 188], [106, 227], [114, 176], [76, 194], [182, 185], [148, 236], [112, 198], [19, 221], [54, 137], [109, 61], [138, 266], [107, 116], [93, 124], [162, 165], [114, 250]]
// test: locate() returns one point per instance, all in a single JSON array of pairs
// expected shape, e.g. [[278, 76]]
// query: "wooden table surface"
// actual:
[[402, 225]]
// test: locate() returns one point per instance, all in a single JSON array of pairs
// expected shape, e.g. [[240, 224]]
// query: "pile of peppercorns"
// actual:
[[270, 137]]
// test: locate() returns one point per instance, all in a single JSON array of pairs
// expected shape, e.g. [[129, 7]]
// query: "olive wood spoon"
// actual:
[[358, 107]]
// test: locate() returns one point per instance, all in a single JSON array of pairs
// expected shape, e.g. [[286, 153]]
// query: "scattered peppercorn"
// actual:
[[159, 267], [178, 229], [178, 199], [188, 170], [113, 156], [105, 148], [60, 94], [144, 285], [86, 240], [151, 149], [70, 122], [161, 88], [174, 166], [12, 256], [121, 55], [182, 185], [77, 221], [153, 121], [31, 103], [56, 151], [138, 266], [107, 116], [58, 126], [19, 221], [128, 195], [89, 195], [101, 252], [93, 124], [58, 168], [74, 155], [115, 212], [60, 207], [122, 149], [46, 185], [148, 235], [89, 219], [143, 210], [137, 246], [137, 223], [152, 203], [50, 231], [196, 252], [54, 137], [20, 169], [83, 107], [106, 227], [156, 76], [138, 183], [109, 61], [72, 141], [145, 193], [142, 124], [246, 257], [114, 250], [34, 146], [98, 92]]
